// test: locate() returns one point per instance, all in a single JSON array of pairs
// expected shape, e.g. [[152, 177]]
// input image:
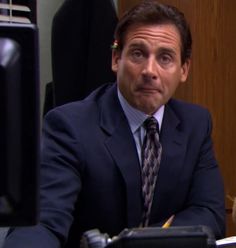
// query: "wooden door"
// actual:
[[212, 81]]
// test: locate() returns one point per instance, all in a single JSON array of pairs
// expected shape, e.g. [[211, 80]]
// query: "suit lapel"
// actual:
[[174, 144], [121, 146]]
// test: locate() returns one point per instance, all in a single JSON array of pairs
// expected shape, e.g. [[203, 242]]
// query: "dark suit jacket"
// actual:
[[91, 172]]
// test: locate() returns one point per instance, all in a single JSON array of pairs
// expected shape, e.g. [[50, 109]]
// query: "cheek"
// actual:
[[126, 73], [171, 80], [171, 86]]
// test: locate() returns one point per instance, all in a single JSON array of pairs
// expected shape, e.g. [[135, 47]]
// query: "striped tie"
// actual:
[[151, 157]]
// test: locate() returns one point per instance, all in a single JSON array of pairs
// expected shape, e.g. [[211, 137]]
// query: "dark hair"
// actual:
[[150, 12]]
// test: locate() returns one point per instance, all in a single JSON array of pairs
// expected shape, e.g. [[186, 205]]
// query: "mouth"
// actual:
[[149, 90]]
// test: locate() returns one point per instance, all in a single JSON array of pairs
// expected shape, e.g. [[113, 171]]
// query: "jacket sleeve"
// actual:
[[35, 236], [60, 185], [205, 201]]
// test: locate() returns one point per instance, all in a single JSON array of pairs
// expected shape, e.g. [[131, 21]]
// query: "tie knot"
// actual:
[[151, 124]]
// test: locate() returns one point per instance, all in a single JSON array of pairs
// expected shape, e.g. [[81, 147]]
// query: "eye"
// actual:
[[137, 55], [165, 59]]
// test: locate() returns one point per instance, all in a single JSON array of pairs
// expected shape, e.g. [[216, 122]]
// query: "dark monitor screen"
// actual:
[[19, 124], [173, 237]]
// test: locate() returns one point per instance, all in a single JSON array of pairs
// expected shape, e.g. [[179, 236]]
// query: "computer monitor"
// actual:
[[19, 124], [172, 237], [152, 237]]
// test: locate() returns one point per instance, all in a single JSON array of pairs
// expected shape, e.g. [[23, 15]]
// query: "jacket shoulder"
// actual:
[[189, 115], [185, 108]]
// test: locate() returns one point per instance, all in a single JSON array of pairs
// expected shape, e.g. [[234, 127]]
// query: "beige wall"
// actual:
[[45, 12]]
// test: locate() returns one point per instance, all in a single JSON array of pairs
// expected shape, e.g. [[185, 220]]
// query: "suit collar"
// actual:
[[121, 145]]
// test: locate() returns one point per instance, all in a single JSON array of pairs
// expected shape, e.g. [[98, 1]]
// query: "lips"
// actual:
[[149, 90]]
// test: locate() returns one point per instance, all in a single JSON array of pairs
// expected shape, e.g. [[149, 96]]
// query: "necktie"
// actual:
[[151, 157]]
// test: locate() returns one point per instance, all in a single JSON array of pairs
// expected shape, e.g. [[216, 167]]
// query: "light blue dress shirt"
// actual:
[[136, 118]]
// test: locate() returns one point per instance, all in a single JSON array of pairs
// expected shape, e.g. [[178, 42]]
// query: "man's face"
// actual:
[[149, 67]]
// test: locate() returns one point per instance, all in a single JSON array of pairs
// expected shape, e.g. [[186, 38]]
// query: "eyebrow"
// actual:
[[161, 49], [167, 50]]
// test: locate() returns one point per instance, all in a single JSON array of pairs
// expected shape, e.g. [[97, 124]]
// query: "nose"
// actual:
[[150, 68]]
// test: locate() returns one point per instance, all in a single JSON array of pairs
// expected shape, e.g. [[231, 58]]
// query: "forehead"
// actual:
[[166, 35]]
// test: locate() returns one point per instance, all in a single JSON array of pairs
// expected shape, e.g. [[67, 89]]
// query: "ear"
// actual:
[[185, 70], [115, 60]]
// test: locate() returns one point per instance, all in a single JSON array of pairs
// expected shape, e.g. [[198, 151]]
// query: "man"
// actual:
[[92, 149]]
